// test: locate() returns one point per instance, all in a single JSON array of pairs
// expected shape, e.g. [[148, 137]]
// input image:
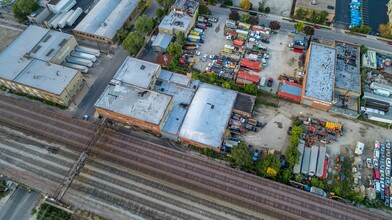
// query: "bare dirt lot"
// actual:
[[274, 134]]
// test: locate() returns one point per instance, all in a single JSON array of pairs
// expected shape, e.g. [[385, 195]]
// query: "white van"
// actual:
[[377, 185]]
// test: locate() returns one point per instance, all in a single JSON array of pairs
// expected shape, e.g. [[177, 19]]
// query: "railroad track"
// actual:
[[243, 179], [153, 181]]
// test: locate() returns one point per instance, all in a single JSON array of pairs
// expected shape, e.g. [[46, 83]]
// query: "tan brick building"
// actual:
[[30, 65]]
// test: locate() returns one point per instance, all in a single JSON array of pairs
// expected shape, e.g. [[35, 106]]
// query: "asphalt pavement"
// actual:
[[151, 10], [19, 205]]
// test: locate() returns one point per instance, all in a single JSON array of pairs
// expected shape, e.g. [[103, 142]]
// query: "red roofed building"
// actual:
[[253, 65], [164, 59], [290, 90], [247, 78]]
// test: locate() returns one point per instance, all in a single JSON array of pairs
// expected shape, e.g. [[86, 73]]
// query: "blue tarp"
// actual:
[[355, 15]]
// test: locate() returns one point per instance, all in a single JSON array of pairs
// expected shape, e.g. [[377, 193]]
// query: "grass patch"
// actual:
[[267, 98], [49, 212]]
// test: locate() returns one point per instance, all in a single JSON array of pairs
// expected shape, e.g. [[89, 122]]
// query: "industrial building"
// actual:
[[30, 65], [247, 78], [181, 18], [138, 72], [39, 16], [319, 6], [161, 42], [244, 104], [169, 104], [319, 79], [290, 90], [105, 18], [133, 105], [208, 116]]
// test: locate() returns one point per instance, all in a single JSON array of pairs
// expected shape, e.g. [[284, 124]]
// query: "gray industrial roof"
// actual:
[[182, 97], [176, 21], [131, 72], [162, 40], [12, 59], [52, 78], [245, 102], [186, 5], [49, 45], [15, 66], [320, 75], [208, 115], [347, 74], [135, 102], [174, 78], [106, 17]]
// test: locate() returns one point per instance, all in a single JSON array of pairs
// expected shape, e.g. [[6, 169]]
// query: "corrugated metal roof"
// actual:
[[247, 76], [208, 115], [162, 40], [107, 17]]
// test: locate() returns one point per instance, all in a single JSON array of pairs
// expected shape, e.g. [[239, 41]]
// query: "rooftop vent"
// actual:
[[142, 67]]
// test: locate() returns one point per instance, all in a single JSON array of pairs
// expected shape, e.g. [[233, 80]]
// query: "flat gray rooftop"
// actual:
[[174, 78], [132, 72], [106, 17], [135, 102], [52, 78], [348, 76], [182, 97], [208, 115], [49, 45], [186, 5], [320, 75], [13, 59], [162, 40], [175, 20]]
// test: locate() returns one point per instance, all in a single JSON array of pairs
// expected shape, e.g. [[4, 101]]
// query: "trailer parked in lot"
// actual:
[[82, 69], [193, 38], [297, 166], [74, 16], [88, 50], [321, 161], [79, 61], [63, 22], [83, 56]]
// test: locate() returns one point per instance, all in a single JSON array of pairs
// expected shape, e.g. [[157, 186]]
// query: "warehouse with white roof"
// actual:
[[106, 17]]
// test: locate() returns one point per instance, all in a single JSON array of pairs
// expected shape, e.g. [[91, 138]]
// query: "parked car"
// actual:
[[388, 162], [315, 27], [265, 41], [389, 42], [377, 144], [369, 163], [213, 19], [256, 155], [270, 81], [294, 31], [289, 131], [253, 13], [85, 117], [375, 163], [201, 26], [204, 58]]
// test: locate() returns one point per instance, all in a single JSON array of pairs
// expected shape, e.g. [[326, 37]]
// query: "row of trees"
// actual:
[[135, 39], [22, 8], [311, 16], [253, 20], [386, 30]]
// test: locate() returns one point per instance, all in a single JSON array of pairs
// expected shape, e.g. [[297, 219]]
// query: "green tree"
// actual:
[[269, 160], [285, 175], [363, 49], [234, 15], [165, 4], [22, 8], [245, 18], [144, 24], [299, 26], [267, 10], [309, 31], [253, 20], [174, 49], [242, 156], [160, 13], [386, 30], [203, 9], [133, 42], [245, 4], [226, 85], [228, 2], [251, 89], [180, 38], [274, 25]]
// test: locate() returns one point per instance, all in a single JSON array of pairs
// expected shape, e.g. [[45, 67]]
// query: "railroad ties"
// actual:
[[119, 176]]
